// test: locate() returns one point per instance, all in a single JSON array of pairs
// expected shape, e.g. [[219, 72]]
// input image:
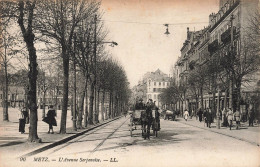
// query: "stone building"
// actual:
[[156, 82], [150, 87], [215, 39]]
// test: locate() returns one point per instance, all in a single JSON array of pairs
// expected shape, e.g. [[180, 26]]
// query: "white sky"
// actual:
[[145, 47]]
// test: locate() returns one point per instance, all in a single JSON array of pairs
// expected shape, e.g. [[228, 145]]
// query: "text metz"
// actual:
[[41, 159]]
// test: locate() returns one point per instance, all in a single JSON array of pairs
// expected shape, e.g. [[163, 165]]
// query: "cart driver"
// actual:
[[140, 105], [150, 106]]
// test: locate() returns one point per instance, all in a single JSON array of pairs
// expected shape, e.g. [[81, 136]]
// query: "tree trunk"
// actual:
[[86, 105], [5, 93], [74, 97], [97, 107], [225, 99], [214, 96], [28, 37], [103, 105], [238, 87], [56, 98], [65, 91], [201, 98], [231, 92], [110, 106], [81, 107], [43, 103], [91, 104]]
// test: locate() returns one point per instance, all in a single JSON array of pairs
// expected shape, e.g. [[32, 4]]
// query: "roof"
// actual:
[[157, 76]]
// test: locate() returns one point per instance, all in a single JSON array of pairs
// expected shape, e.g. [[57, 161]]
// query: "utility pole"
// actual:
[[231, 75]]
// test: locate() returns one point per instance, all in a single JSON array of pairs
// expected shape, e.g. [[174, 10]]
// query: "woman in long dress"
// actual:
[[50, 119], [186, 114]]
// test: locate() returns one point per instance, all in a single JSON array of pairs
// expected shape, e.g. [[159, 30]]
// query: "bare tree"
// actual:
[[59, 21], [26, 10]]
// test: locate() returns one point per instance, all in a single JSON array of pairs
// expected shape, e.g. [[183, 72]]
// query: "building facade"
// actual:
[[228, 24], [156, 82], [151, 86]]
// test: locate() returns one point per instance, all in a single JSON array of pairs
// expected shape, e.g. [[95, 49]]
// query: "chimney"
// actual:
[[211, 16]]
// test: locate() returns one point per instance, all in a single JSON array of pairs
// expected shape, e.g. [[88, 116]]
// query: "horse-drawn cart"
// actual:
[[140, 117]]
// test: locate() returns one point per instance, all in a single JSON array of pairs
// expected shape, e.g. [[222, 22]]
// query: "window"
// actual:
[[1, 96], [159, 83], [154, 83], [154, 89], [164, 82], [154, 97]]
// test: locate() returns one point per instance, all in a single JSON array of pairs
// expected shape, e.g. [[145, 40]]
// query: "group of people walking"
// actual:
[[207, 115], [228, 117]]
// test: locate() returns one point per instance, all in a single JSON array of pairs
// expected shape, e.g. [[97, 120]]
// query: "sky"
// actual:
[[138, 28]]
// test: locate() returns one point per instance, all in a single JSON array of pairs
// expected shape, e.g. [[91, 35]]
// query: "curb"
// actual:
[[59, 142], [238, 138]]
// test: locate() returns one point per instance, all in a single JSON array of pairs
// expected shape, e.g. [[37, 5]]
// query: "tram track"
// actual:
[[80, 137], [111, 134], [90, 133], [67, 139]]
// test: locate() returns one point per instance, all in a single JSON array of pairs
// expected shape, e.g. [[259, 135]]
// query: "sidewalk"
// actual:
[[245, 133], [15, 143]]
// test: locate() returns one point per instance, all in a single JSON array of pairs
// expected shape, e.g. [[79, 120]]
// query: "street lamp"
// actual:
[[167, 30]]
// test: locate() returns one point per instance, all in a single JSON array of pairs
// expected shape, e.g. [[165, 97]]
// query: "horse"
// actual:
[[146, 121]]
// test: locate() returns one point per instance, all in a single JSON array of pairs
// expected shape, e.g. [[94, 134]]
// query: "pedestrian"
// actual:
[[224, 117], [186, 114], [251, 117], [209, 117], [237, 119], [22, 117], [192, 113], [200, 113], [230, 117], [205, 116], [50, 119], [157, 117]]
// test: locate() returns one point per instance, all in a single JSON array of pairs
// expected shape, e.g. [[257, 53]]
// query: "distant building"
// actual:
[[16, 96], [150, 86], [156, 82]]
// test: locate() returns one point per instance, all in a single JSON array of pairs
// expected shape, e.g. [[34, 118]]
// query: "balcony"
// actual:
[[226, 36], [213, 47]]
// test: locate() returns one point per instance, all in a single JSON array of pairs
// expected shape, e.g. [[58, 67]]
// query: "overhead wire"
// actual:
[[135, 22]]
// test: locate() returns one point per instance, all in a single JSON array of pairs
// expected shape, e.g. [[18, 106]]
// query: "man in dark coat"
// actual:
[[209, 117], [200, 114], [251, 117]]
